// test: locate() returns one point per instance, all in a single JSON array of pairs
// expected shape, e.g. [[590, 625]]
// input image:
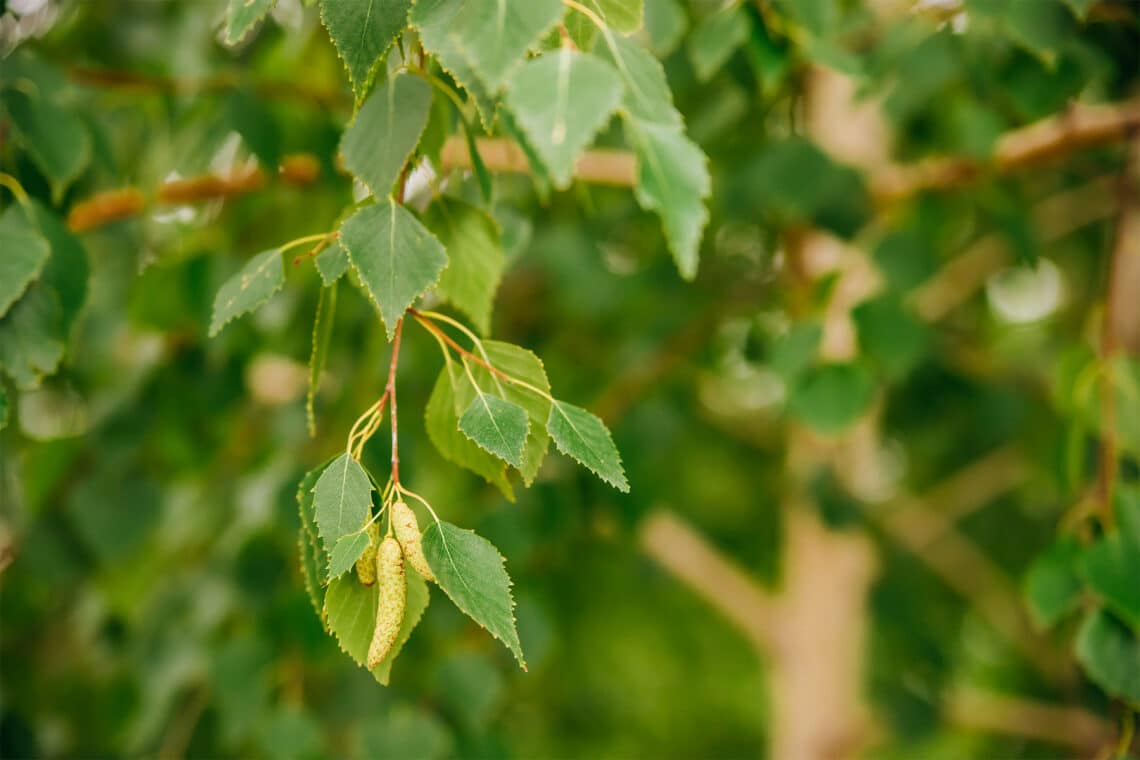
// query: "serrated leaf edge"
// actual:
[[370, 76], [623, 487], [217, 328]]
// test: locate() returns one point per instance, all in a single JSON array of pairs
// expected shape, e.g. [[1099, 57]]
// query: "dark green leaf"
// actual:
[[342, 499], [892, 336], [249, 289], [471, 572], [475, 257], [498, 426], [1052, 587], [584, 437], [379, 141], [396, 257], [830, 397], [362, 31], [56, 139], [1110, 654]]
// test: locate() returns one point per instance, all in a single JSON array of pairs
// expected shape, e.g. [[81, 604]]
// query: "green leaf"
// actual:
[[647, 98], [584, 437], [475, 257], [351, 611], [55, 138], [396, 257], [471, 572], [830, 397], [795, 350], [30, 342], [362, 31], [561, 100], [441, 420], [384, 133], [1111, 566], [498, 426], [332, 262], [242, 16], [715, 38], [312, 551], [482, 176], [67, 270], [1110, 654], [673, 180], [342, 499], [25, 253], [322, 334], [1052, 587], [496, 34], [888, 333], [623, 16], [345, 553], [435, 20], [249, 289], [665, 26]]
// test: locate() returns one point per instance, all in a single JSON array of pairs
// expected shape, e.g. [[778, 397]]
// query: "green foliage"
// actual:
[[475, 258], [583, 436], [362, 31], [242, 16], [25, 253], [248, 290], [497, 426], [385, 131]]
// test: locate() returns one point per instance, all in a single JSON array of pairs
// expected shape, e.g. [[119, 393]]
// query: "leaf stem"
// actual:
[[587, 13], [390, 391], [320, 237], [478, 344], [420, 499], [13, 184]]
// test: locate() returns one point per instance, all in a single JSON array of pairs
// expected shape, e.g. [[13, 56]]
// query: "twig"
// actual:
[[390, 393], [1079, 127], [1063, 725], [601, 166]]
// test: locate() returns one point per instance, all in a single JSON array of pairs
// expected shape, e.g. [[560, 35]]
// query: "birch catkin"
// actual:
[[393, 592], [366, 565], [408, 534]]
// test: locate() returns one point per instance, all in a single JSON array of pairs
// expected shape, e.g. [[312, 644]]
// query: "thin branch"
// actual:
[[115, 205], [390, 393], [1062, 725], [601, 166], [1077, 128]]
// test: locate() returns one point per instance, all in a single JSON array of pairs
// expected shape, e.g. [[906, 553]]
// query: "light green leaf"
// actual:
[[385, 131], [475, 257], [322, 334], [715, 39], [332, 262], [249, 289], [396, 257], [342, 499], [665, 25], [647, 97], [830, 397], [362, 31], [498, 33], [351, 611], [435, 20], [498, 426], [30, 342], [242, 16], [312, 551], [1052, 588], [673, 180], [623, 16], [345, 553], [441, 420], [561, 100], [471, 572], [1110, 654], [583, 436], [55, 138], [25, 253]]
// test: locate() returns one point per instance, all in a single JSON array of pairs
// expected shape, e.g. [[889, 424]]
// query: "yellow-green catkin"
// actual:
[[408, 534], [393, 595], [366, 565]]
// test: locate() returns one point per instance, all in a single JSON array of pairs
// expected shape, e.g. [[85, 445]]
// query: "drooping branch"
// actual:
[[1079, 127]]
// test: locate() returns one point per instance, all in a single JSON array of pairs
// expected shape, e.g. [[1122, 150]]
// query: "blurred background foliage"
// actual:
[[150, 596]]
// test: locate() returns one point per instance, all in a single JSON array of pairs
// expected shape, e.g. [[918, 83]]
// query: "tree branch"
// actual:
[[1079, 127], [601, 166], [1061, 725]]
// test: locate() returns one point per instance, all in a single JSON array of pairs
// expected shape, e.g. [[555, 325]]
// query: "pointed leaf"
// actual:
[[498, 33], [345, 553], [673, 180], [584, 437], [561, 100], [25, 253], [396, 257], [309, 543], [385, 131], [56, 139], [1111, 566], [332, 262], [351, 611], [242, 16], [1110, 653], [31, 345], [471, 572], [249, 289], [342, 499], [362, 31], [475, 257], [647, 97], [322, 334], [498, 426], [435, 20], [1052, 587], [441, 421]]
